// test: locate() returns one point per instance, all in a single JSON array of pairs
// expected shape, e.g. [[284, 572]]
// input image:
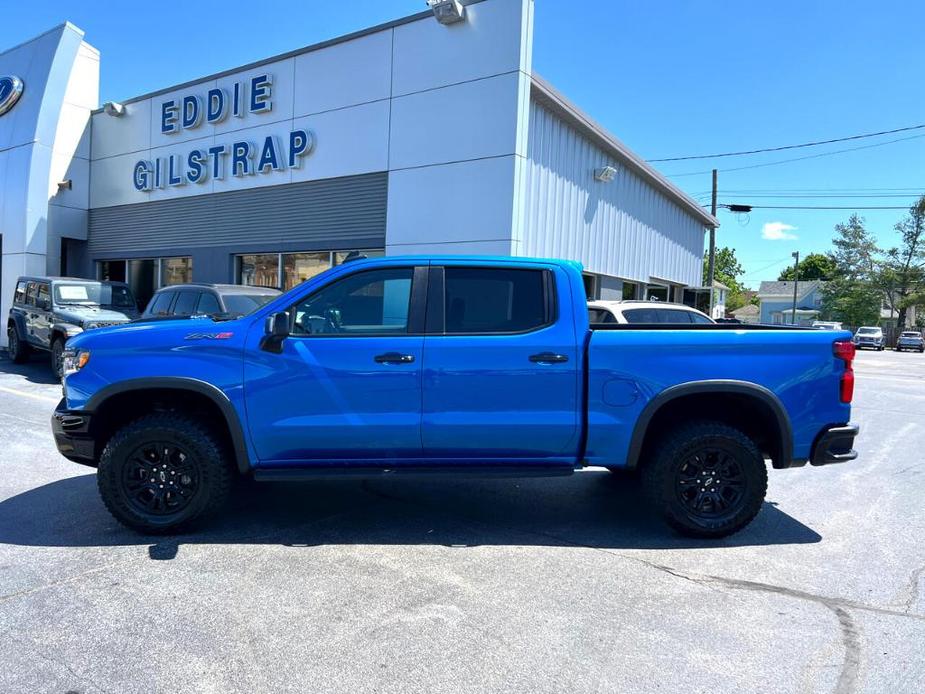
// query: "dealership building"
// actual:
[[424, 136]]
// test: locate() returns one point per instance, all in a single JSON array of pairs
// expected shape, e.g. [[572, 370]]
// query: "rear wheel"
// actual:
[[706, 479], [17, 349], [163, 472]]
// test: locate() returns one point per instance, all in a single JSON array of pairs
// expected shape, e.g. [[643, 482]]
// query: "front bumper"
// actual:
[[72, 435], [835, 445]]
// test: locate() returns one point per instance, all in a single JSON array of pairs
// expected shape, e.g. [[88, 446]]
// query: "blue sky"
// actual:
[[669, 79]]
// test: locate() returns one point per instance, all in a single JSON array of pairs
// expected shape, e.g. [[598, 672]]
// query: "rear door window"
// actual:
[[186, 303], [160, 305], [208, 304], [495, 300], [31, 290]]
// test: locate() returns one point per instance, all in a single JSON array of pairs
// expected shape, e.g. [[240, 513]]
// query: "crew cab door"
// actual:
[[502, 367], [346, 385]]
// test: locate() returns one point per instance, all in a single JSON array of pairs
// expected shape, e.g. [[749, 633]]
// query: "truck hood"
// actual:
[[78, 315], [147, 333]]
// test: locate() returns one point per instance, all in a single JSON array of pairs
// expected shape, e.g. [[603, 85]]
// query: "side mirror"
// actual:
[[275, 331]]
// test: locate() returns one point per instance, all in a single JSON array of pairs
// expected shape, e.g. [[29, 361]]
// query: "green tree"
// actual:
[[851, 295], [815, 266], [901, 276], [727, 270]]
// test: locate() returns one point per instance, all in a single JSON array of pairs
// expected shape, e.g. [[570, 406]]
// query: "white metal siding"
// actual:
[[624, 228]]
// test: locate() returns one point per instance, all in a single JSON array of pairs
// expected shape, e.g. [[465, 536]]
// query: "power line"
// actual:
[[812, 190], [787, 161], [825, 207], [802, 195], [815, 143]]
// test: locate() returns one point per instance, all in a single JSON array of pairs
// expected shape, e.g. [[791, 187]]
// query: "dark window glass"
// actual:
[[494, 300], [186, 303], [160, 304], [44, 299], [31, 290], [697, 319], [641, 316], [20, 296], [674, 315], [367, 303], [243, 304], [601, 315], [208, 304]]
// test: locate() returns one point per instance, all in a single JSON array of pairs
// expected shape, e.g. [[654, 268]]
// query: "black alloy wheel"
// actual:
[[710, 483], [160, 478], [706, 478]]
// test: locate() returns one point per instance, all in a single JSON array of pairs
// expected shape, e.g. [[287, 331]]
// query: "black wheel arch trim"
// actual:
[[767, 397], [214, 394]]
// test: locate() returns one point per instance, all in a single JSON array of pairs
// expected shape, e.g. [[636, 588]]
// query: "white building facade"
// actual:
[[409, 137]]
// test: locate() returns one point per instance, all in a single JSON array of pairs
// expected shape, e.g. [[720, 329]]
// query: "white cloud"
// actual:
[[778, 231]]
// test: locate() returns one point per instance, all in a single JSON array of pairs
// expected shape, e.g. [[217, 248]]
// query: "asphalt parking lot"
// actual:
[[543, 585]]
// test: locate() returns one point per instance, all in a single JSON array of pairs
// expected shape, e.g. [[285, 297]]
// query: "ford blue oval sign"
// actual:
[[10, 91]]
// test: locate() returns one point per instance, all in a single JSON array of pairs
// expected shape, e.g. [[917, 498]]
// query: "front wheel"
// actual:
[[16, 348], [706, 479], [57, 358], [162, 472]]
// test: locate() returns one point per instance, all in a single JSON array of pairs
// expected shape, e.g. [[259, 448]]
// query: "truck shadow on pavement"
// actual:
[[590, 509]]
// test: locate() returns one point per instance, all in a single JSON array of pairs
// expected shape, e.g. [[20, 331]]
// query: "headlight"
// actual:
[[75, 360]]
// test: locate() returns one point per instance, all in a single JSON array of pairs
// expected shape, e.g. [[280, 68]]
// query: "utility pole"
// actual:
[[796, 281], [711, 263]]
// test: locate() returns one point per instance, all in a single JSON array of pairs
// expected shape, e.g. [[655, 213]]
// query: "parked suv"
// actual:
[[644, 312], [195, 299], [911, 340], [47, 311], [871, 337]]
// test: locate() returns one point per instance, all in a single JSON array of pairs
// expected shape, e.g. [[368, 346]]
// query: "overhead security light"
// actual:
[[447, 11], [114, 108], [605, 174]]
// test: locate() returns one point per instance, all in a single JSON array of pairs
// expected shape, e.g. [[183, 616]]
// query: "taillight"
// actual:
[[845, 350]]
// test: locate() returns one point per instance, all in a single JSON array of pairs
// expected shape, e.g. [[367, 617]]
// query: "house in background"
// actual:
[[776, 305], [748, 313]]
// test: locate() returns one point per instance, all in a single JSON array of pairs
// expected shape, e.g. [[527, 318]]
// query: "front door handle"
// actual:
[[394, 358], [548, 358]]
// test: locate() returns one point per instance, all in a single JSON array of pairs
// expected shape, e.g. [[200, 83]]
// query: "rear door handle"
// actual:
[[394, 358], [548, 358]]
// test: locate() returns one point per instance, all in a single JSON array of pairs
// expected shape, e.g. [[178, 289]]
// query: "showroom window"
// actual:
[[286, 270], [146, 275]]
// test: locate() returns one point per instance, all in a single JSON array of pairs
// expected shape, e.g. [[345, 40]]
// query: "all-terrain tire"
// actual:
[[692, 460], [16, 348], [162, 446]]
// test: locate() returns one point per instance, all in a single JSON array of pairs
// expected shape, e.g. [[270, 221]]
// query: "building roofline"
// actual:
[[547, 95], [283, 56], [391, 24], [56, 27]]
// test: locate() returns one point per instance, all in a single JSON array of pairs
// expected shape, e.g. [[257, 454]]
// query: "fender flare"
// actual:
[[214, 394], [752, 390]]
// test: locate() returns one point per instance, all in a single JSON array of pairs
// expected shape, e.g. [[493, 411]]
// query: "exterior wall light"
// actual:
[[447, 11], [605, 174], [114, 108], [66, 184]]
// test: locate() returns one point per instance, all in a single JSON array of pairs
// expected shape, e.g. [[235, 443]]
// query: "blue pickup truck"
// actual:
[[452, 364]]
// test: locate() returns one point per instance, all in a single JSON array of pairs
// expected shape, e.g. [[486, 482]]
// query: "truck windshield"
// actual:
[[908, 334], [868, 331], [94, 294]]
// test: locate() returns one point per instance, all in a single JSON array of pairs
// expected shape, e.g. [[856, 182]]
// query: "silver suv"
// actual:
[[870, 337]]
